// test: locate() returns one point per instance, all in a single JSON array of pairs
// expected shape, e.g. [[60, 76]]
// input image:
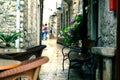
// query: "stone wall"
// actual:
[[29, 20], [7, 15], [32, 26], [107, 24]]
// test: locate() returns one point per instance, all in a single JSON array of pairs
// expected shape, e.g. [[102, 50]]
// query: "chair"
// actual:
[[79, 57], [65, 51], [3, 56], [27, 69], [34, 51], [84, 48]]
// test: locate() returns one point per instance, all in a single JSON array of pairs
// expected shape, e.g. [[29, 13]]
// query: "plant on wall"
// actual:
[[71, 34]]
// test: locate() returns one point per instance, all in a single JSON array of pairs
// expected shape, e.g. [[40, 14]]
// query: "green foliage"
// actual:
[[71, 34], [1, 3], [9, 37]]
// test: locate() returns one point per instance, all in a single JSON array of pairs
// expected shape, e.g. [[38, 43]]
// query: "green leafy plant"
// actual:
[[71, 34], [8, 38]]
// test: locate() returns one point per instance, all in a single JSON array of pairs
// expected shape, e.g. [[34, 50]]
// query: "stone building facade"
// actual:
[[29, 20], [105, 25], [67, 10], [101, 23]]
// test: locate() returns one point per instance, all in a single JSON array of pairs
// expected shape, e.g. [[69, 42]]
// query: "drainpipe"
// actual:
[[17, 22], [41, 19]]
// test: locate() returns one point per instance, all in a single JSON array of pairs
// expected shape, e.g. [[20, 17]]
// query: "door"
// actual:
[[94, 20]]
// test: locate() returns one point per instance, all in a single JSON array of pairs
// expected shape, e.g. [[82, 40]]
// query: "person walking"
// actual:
[[52, 31], [46, 31], [43, 32]]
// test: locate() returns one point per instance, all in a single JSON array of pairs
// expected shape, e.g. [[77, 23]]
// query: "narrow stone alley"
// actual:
[[53, 69]]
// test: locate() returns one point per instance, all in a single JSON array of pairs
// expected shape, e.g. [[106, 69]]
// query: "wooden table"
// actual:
[[11, 51], [8, 64]]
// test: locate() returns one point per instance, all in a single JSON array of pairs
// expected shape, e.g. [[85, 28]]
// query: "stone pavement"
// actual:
[[53, 69]]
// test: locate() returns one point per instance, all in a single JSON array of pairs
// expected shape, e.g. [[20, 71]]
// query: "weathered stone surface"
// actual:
[[107, 24], [107, 54], [104, 51], [29, 20]]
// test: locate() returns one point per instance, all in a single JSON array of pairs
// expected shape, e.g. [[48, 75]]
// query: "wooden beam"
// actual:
[[118, 42]]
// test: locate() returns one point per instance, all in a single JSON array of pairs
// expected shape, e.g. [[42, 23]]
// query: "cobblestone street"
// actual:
[[53, 69]]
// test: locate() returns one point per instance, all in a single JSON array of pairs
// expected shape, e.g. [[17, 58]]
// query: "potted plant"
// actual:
[[8, 38], [72, 34]]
